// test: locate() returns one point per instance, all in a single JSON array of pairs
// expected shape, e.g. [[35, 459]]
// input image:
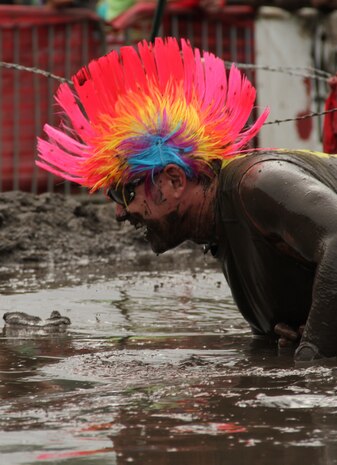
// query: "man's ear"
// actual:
[[176, 176]]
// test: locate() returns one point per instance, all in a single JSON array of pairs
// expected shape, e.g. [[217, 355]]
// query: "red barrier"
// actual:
[[62, 42], [228, 33], [330, 119], [58, 42]]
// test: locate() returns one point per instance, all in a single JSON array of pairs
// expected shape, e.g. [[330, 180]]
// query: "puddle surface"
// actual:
[[156, 368]]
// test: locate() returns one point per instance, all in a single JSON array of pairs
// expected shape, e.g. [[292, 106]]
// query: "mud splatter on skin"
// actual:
[[159, 198], [166, 234], [205, 228], [147, 208]]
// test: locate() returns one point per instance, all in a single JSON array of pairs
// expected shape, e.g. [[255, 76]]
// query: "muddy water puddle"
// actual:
[[156, 368]]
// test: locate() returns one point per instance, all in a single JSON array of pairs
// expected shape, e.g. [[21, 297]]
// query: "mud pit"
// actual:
[[78, 234], [157, 367]]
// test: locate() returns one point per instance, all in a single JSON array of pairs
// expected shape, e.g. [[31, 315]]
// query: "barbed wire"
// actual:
[[306, 72], [44, 73], [288, 70], [312, 73], [307, 116]]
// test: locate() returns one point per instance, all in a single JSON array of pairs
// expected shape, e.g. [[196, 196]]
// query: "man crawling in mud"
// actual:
[[163, 131]]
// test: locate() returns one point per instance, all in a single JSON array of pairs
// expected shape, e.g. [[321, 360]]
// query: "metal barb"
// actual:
[[309, 115], [311, 73], [287, 70], [47, 74]]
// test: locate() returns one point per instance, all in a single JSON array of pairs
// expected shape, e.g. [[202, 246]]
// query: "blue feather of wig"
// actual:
[[154, 152]]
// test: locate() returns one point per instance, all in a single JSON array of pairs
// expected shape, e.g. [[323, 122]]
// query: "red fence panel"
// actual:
[[58, 42], [229, 33], [61, 42]]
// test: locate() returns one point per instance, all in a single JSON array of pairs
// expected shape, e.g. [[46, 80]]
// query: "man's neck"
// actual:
[[201, 214]]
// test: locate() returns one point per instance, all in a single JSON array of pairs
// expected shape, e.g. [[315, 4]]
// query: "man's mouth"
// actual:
[[139, 225], [136, 222], [147, 228]]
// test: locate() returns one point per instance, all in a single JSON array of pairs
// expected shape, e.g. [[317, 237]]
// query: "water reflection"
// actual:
[[22, 359], [157, 369]]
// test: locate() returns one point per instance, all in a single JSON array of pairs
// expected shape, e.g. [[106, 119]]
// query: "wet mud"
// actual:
[[38, 228], [54, 228], [157, 366]]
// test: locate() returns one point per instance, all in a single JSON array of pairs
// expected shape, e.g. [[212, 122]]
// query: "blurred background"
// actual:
[[288, 48]]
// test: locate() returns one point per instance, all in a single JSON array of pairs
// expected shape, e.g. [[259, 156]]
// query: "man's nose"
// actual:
[[120, 212]]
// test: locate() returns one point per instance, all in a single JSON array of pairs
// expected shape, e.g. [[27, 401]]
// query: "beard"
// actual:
[[164, 234]]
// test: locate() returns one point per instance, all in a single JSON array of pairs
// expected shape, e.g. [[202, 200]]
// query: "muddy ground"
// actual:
[[61, 229], [156, 368]]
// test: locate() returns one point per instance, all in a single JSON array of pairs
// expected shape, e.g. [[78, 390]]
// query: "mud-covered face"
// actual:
[[124, 195], [158, 211], [166, 233]]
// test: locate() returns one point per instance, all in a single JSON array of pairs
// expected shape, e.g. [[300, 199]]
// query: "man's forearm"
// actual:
[[321, 327]]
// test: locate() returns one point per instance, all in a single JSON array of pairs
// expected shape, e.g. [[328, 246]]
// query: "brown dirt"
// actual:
[[53, 227]]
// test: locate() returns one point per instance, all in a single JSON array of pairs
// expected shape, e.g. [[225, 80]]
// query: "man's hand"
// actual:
[[307, 352], [287, 335]]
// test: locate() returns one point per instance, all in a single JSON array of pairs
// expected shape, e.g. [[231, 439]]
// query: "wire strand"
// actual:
[[47, 74], [286, 70], [309, 115], [311, 73]]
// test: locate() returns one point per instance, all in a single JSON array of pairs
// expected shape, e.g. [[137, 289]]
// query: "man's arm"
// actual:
[[280, 198]]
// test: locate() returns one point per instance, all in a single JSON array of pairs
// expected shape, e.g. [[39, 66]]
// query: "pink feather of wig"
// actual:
[[134, 112]]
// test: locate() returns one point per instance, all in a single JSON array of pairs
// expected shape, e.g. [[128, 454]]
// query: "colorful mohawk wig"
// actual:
[[137, 111]]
